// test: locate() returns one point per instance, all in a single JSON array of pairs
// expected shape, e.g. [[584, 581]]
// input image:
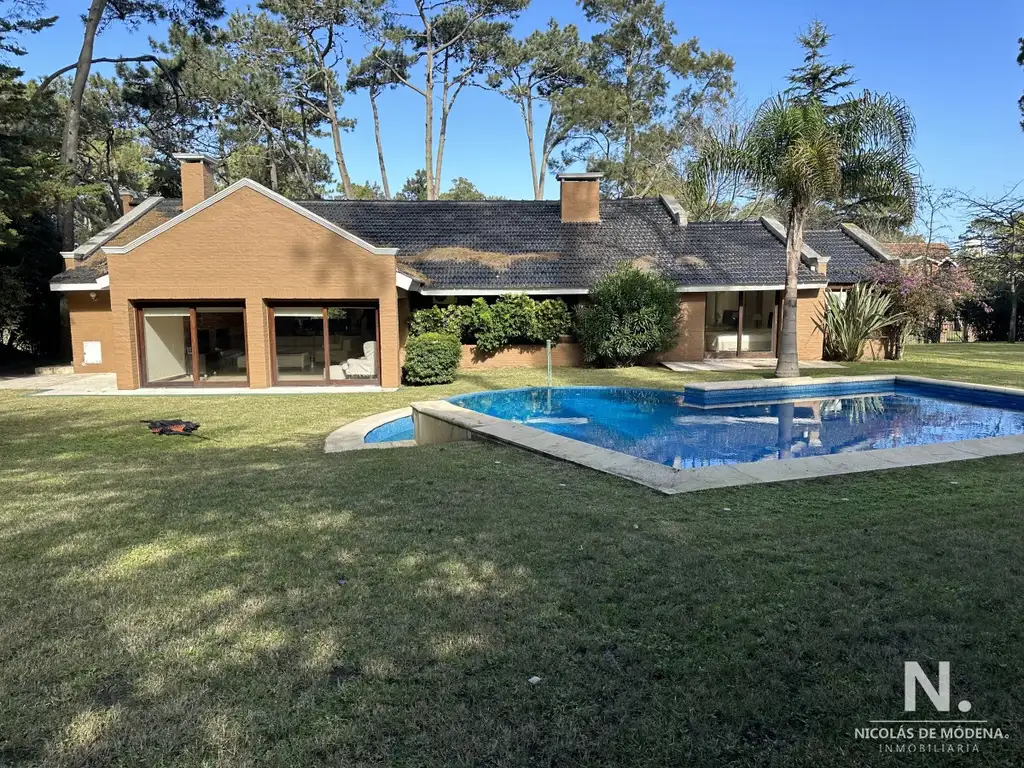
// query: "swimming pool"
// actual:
[[668, 428]]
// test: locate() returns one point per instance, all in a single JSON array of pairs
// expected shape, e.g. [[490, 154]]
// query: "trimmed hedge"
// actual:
[[630, 314], [432, 358], [512, 319]]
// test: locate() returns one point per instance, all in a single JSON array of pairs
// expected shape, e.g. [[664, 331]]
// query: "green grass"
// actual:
[[172, 601]]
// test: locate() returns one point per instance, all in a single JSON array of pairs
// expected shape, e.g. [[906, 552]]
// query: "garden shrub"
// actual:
[[432, 358], [512, 319], [552, 320], [448, 320], [630, 314], [848, 321]]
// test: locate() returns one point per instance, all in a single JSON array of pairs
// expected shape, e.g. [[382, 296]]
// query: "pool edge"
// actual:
[[440, 421]]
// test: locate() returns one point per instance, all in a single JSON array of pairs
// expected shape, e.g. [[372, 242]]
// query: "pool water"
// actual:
[[659, 426], [393, 431]]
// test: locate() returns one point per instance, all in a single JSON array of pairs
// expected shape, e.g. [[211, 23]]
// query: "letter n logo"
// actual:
[[914, 675]]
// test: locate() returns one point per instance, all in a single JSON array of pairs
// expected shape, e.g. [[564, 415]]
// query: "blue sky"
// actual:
[[954, 63]]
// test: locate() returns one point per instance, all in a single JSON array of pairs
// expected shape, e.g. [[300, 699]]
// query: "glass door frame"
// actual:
[[326, 381], [776, 326], [191, 306]]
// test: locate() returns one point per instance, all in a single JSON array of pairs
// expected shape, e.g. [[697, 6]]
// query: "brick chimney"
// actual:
[[581, 197], [196, 178], [127, 200]]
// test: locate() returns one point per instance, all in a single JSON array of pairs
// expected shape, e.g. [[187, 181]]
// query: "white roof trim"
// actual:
[[406, 282], [810, 257], [248, 184], [91, 245], [584, 291], [101, 284], [675, 210], [868, 243], [193, 157]]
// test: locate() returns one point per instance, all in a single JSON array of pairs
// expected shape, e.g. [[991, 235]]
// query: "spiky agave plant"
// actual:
[[848, 323]]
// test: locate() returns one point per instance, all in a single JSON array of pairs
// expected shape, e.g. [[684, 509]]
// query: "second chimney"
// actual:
[[581, 197], [196, 178]]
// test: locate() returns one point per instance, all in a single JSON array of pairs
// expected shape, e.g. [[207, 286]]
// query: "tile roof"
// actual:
[[849, 263], [91, 262], [938, 251], [494, 245], [522, 245]]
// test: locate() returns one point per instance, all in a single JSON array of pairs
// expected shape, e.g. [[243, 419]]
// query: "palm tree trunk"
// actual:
[[789, 360]]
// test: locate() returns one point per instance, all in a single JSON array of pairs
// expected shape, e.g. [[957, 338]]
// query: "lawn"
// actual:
[[244, 599]]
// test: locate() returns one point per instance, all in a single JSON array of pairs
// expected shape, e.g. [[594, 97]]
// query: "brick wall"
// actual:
[[690, 345], [524, 356], [249, 248], [91, 321], [809, 340], [581, 201]]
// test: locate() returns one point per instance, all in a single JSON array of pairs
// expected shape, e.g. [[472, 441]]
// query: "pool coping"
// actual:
[[439, 421], [351, 436]]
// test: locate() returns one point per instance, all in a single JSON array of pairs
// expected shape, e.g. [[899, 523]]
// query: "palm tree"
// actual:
[[854, 154]]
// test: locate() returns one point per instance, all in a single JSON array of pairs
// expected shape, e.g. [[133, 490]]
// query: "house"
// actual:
[[243, 287]]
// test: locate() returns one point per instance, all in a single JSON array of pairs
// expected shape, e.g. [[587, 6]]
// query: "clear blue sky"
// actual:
[[953, 62]]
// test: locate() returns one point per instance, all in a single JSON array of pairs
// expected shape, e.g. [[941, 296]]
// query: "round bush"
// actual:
[[630, 314], [432, 358]]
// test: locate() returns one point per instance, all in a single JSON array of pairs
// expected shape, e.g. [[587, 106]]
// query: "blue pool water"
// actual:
[[399, 429], [659, 426]]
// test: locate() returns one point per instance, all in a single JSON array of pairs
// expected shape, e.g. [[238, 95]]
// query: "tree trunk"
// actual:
[[380, 146], [1012, 337], [273, 166], [526, 106], [73, 117], [428, 123], [789, 361], [786, 412], [339, 156]]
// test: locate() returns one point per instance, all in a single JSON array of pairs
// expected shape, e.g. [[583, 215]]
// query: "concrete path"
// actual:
[[743, 364], [105, 384]]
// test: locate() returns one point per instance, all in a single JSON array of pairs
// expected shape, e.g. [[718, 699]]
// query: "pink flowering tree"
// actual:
[[923, 295]]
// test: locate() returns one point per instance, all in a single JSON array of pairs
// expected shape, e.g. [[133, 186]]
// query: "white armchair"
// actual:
[[364, 367]]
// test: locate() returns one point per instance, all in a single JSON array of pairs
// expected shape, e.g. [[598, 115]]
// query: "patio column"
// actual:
[[257, 343]]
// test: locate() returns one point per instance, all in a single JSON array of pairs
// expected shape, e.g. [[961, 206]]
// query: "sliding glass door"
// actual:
[[325, 345], [193, 346], [741, 323]]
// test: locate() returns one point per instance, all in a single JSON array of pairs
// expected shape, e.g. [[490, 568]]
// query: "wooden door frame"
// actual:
[[192, 307], [324, 306]]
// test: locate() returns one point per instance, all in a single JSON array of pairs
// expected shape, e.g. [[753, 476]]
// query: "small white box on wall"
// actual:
[[92, 353]]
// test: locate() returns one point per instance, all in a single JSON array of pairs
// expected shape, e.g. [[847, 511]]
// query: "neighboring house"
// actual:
[[244, 287]]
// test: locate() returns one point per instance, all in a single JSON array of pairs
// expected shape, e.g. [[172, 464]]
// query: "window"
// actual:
[[325, 344], [191, 346]]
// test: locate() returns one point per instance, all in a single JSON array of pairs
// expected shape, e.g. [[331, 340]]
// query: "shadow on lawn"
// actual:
[[178, 600]]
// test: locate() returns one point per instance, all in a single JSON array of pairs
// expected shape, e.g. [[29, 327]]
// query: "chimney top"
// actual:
[[588, 176], [195, 157]]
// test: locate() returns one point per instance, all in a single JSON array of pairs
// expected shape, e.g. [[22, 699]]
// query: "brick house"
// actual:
[[243, 287]]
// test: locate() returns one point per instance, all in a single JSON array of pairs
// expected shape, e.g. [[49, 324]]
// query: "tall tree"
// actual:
[[450, 42], [320, 28], [101, 13], [540, 70], [645, 95], [995, 252], [376, 76], [818, 79], [1020, 60], [804, 156]]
